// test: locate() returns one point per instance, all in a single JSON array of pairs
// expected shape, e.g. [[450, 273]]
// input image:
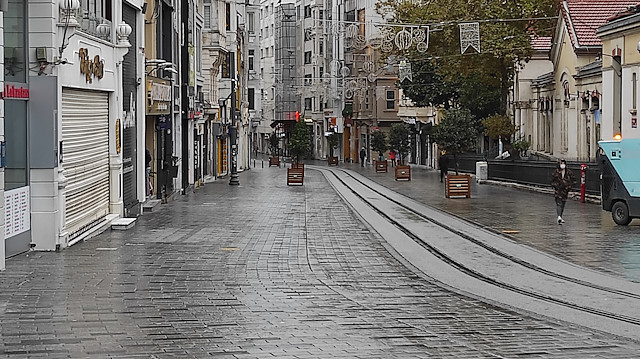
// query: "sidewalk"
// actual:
[[589, 237]]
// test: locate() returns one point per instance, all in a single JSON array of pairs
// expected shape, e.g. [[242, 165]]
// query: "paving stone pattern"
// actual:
[[589, 237], [258, 271]]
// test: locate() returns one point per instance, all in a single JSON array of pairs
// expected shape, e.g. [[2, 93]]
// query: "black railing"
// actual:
[[534, 173]]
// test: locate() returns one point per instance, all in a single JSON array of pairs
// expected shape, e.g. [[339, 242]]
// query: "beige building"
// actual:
[[620, 67], [565, 103]]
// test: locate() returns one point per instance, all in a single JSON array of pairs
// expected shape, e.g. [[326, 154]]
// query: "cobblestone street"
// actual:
[[257, 271]]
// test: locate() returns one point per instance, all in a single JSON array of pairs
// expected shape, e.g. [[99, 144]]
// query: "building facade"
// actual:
[[620, 68]]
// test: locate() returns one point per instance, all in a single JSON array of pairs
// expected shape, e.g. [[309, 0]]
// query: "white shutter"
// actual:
[[85, 157]]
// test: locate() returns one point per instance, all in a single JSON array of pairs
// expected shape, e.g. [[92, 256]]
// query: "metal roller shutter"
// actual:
[[85, 157]]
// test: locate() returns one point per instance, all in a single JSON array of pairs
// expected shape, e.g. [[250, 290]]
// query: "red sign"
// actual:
[[634, 122], [11, 92]]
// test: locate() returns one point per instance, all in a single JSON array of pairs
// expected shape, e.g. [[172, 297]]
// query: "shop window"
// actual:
[[14, 42]]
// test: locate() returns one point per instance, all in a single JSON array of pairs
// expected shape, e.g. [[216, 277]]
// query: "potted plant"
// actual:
[[499, 128], [274, 147], [520, 148], [399, 140], [299, 145], [332, 142], [455, 134], [379, 144]]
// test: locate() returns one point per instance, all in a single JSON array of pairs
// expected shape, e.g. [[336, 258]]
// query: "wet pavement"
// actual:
[[265, 270], [589, 237]]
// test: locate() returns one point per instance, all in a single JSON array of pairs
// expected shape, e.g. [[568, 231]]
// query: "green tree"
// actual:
[[399, 140], [332, 142], [300, 142], [274, 144], [505, 45], [379, 143], [499, 127], [456, 133]]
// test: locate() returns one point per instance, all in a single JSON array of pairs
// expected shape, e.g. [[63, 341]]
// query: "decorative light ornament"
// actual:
[[469, 36], [403, 39]]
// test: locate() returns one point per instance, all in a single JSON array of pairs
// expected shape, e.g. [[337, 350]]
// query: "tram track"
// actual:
[[380, 202]]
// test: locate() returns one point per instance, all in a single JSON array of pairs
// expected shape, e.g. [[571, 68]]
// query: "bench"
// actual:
[[458, 186], [295, 176]]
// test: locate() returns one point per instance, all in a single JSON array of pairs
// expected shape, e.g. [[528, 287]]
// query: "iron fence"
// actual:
[[534, 173]]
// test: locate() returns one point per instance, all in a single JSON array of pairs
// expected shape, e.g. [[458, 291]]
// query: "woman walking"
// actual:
[[561, 181]]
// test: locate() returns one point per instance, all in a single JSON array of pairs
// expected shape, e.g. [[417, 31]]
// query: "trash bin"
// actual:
[[482, 171]]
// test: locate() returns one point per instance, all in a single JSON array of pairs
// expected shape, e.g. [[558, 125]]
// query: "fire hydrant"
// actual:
[[583, 181]]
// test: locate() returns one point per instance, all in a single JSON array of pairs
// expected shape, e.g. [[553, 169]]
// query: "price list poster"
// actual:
[[17, 213]]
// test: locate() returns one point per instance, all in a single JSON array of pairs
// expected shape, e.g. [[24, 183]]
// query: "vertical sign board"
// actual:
[[634, 122], [16, 211]]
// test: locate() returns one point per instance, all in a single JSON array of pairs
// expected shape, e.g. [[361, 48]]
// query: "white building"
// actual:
[[72, 163]]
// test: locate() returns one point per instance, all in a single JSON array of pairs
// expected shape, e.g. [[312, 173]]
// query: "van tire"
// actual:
[[620, 213]]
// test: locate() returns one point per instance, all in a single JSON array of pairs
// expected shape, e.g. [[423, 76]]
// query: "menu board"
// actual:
[[17, 215]]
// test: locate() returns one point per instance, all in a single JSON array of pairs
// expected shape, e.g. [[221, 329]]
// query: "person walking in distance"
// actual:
[[443, 164], [363, 154], [561, 181], [392, 155]]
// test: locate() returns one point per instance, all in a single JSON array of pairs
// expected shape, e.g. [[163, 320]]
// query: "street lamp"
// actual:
[[233, 179]]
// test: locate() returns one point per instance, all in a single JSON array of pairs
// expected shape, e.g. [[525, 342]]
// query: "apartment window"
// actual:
[[307, 57], [391, 100], [321, 104], [321, 47], [307, 80], [228, 17], [251, 97], [307, 11], [226, 71], [198, 50], [308, 104], [634, 78], [273, 51], [250, 20], [207, 14], [251, 57], [321, 71], [262, 53]]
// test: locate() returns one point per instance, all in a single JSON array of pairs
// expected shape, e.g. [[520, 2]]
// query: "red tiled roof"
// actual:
[[585, 16], [541, 43]]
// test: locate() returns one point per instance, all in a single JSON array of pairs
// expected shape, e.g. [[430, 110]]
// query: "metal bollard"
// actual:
[[262, 163], [583, 181]]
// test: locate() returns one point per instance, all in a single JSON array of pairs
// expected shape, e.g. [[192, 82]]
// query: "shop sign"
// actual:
[[158, 97], [11, 92], [90, 68]]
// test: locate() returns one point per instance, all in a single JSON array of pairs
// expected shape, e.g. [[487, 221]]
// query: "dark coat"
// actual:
[[443, 163], [562, 185], [363, 153]]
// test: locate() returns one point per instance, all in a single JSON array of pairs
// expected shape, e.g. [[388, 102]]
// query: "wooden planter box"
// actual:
[[274, 161], [381, 166], [297, 165], [403, 172], [458, 186], [333, 161], [295, 176]]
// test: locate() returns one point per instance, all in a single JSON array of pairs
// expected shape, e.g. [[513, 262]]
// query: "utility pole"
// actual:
[[233, 133]]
